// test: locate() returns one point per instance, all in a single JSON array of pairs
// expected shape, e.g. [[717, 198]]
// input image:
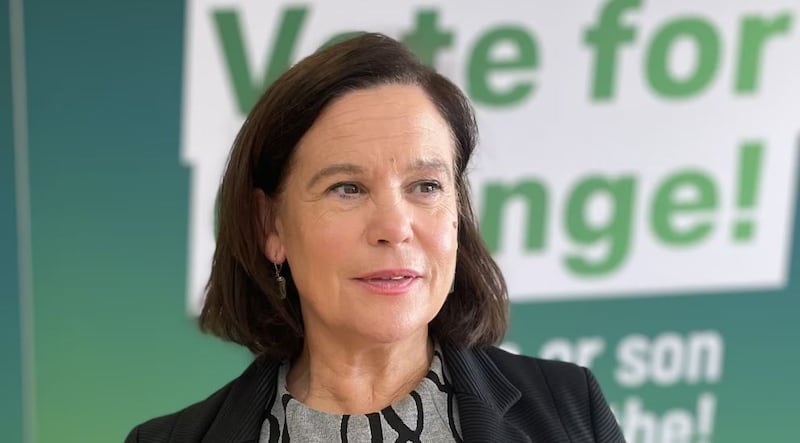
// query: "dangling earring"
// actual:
[[281, 280], [452, 287]]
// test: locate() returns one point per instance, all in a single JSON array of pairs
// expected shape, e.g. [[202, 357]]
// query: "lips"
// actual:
[[389, 281], [390, 274]]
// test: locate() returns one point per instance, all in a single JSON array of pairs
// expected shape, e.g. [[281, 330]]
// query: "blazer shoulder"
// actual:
[[188, 424], [573, 390], [524, 370]]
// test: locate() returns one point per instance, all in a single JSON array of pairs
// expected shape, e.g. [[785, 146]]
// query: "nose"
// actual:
[[390, 223]]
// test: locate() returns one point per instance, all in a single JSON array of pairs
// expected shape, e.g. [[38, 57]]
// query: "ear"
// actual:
[[269, 238]]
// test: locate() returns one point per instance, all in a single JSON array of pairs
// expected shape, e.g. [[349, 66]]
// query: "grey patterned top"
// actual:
[[427, 414]]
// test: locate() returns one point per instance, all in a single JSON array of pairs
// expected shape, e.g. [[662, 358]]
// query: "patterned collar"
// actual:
[[427, 413], [480, 389]]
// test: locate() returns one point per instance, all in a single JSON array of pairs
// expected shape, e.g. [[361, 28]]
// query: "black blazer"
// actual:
[[501, 397]]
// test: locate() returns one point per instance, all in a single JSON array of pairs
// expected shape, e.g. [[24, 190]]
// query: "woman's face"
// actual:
[[368, 217]]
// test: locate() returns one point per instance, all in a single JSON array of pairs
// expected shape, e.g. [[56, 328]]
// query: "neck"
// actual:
[[338, 379]]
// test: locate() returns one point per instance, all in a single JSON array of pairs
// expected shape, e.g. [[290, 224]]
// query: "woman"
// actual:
[[349, 262]]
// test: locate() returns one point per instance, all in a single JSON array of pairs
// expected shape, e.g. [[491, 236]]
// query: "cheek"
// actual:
[[442, 235], [318, 235], [315, 248]]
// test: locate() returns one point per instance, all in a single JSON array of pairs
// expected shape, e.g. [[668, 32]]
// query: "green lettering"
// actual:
[[482, 64], [705, 38], [496, 198], [606, 38], [427, 39], [750, 154], [245, 87], [616, 230], [755, 33], [667, 204]]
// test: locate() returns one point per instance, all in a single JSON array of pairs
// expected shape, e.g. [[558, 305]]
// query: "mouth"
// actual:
[[390, 282]]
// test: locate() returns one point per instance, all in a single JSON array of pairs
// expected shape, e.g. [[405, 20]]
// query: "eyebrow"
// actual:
[[335, 169], [434, 164], [351, 169]]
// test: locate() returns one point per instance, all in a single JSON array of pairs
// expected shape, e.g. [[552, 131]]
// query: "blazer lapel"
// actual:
[[241, 415], [483, 396]]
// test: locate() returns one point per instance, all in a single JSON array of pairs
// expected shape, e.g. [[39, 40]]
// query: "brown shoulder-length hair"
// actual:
[[242, 300]]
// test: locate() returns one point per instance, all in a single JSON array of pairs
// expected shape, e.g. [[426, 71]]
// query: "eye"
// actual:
[[345, 190], [427, 187]]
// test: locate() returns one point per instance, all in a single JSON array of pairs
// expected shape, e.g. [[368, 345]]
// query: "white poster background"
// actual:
[[558, 135]]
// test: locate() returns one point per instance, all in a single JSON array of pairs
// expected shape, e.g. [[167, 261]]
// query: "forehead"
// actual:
[[396, 122]]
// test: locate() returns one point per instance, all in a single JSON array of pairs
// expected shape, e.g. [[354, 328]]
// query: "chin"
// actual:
[[392, 331]]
